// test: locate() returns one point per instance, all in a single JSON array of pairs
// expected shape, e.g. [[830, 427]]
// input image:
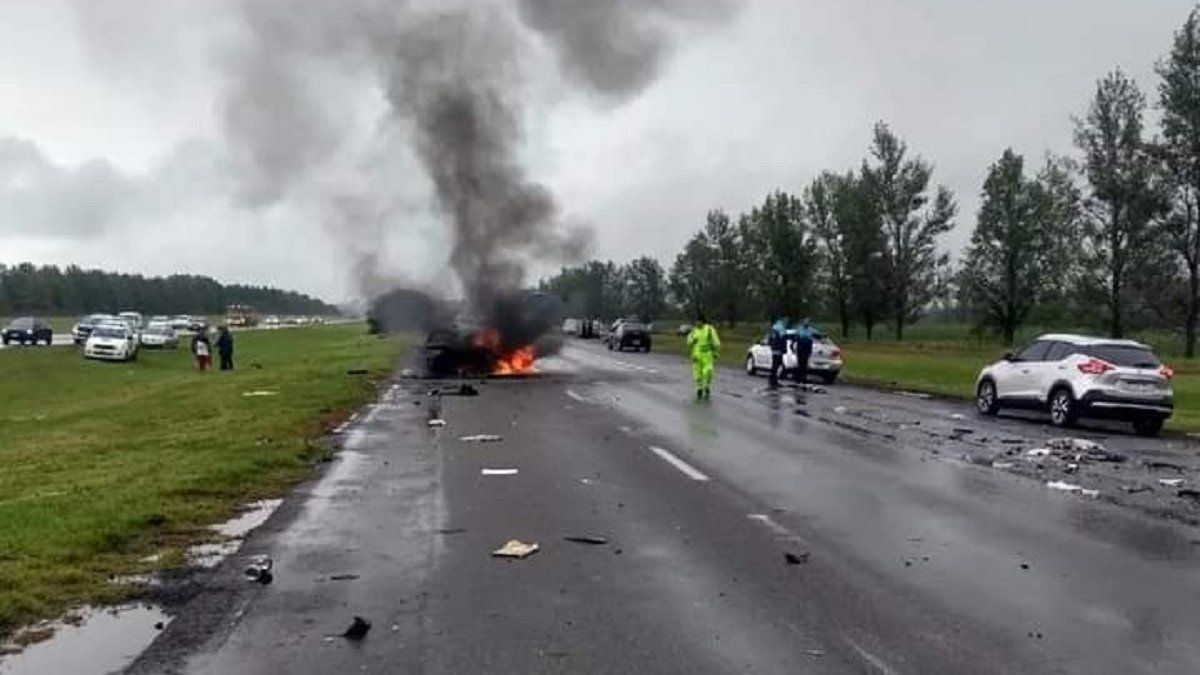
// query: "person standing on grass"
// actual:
[[704, 345], [202, 349], [225, 347]]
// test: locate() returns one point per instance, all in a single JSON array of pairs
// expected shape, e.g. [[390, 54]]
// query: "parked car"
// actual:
[[180, 322], [197, 323], [626, 334], [159, 335], [825, 362], [570, 326], [683, 329], [112, 342], [1074, 376], [28, 330], [83, 329]]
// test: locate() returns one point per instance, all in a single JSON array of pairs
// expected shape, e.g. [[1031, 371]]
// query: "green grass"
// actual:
[[105, 463], [942, 360]]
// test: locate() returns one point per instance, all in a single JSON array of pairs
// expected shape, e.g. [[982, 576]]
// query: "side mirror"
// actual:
[[1008, 356]]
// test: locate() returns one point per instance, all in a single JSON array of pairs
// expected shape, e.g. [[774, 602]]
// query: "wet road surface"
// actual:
[[907, 560]]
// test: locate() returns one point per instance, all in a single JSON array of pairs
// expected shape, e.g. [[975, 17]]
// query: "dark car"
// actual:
[[28, 330], [629, 335], [86, 325]]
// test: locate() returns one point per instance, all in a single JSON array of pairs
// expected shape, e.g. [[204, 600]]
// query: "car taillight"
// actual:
[[1167, 372], [835, 354], [1095, 367]]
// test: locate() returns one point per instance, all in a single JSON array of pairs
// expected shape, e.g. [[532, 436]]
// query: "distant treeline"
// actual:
[[47, 290]]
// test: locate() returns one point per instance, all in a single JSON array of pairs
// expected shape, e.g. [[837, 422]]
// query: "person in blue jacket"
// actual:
[[805, 335]]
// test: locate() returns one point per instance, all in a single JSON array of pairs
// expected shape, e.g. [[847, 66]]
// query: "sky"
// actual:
[[116, 149]]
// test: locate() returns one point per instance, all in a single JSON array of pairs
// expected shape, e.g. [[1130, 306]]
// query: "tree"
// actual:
[[832, 207], [777, 238], [730, 297], [1016, 258], [1124, 200], [692, 275], [645, 288], [1179, 98], [911, 225]]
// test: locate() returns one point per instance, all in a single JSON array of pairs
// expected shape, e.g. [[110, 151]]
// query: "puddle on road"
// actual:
[[211, 554], [107, 640]]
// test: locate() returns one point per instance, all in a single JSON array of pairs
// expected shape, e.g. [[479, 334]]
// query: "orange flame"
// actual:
[[514, 362]]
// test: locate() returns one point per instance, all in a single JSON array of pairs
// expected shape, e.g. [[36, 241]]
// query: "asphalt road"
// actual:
[[910, 559]]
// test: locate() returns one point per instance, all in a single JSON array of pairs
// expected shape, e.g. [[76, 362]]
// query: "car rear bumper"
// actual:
[[1106, 404]]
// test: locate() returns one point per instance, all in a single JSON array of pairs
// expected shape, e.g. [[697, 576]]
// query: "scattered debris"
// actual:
[[1038, 452], [1188, 493], [451, 530], [498, 472], [1157, 464], [1072, 467], [358, 629], [963, 431], [841, 410], [358, 371], [1012, 441], [595, 540], [814, 652], [915, 394], [261, 392], [1003, 465], [466, 390], [259, 570], [1071, 487], [793, 559], [481, 438], [1170, 482], [514, 548], [343, 577], [1024, 566], [436, 422], [159, 625], [1134, 489], [407, 373], [958, 417]]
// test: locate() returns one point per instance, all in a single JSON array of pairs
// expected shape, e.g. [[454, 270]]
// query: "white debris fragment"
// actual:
[[499, 472], [841, 410], [915, 394], [1002, 465], [515, 548], [1038, 452], [436, 423], [1071, 487], [958, 416], [481, 438], [1074, 444], [1170, 482]]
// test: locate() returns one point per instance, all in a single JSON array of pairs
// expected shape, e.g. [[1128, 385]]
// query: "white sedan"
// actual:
[[160, 336], [111, 342], [824, 363]]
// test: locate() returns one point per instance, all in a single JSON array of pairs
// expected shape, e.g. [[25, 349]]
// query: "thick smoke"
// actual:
[[452, 75]]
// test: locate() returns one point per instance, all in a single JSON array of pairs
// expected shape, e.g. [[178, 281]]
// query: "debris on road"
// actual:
[[1071, 487], [794, 559], [451, 530], [481, 438], [407, 373], [1188, 493], [1024, 566], [498, 472], [436, 422], [841, 410], [1038, 452], [259, 570], [1170, 482], [358, 629], [814, 652], [515, 548], [958, 417], [1134, 489], [1158, 464], [261, 392], [1003, 465], [915, 394], [594, 540], [343, 577]]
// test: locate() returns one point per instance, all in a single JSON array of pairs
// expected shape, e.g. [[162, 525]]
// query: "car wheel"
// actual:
[[646, 349], [1062, 408], [751, 370], [1148, 426], [986, 401]]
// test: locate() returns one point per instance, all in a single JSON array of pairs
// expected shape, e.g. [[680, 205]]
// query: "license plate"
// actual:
[[1141, 386]]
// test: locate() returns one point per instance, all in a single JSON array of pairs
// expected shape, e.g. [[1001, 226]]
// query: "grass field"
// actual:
[[106, 463], [938, 360]]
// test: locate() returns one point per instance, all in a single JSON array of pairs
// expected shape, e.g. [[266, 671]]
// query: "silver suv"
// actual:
[[1075, 376]]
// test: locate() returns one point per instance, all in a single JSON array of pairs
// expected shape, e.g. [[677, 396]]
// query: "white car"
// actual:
[[111, 342], [825, 362], [1073, 376], [159, 335]]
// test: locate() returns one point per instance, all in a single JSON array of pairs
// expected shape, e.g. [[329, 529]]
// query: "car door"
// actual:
[[1051, 369], [1017, 379]]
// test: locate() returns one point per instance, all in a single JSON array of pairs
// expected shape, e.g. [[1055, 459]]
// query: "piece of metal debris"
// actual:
[[592, 539], [259, 570], [481, 438], [515, 548], [1038, 452], [915, 394], [1158, 464], [436, 422], [796, 559], [358, 629], [1170, 482], [958, 417], [1188, 493], [1071, 487], [451, 530], [814, 652], [343, 577], [1003, 465], [1134, 489]]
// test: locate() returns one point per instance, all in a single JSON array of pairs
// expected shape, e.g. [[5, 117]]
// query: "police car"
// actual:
[[824, 363]]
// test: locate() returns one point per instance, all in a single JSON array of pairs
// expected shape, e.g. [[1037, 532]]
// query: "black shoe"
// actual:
[[699, 394]]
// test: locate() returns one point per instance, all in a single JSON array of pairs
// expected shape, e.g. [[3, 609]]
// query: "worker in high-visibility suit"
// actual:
[[704, 345]]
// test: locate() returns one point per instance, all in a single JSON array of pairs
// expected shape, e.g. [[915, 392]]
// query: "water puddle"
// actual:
[[211, 554], [100, 641]]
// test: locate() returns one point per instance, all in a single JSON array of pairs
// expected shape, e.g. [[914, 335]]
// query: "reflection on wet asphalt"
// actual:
[[858, 535]]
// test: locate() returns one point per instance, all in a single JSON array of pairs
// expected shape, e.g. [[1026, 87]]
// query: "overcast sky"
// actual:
[[112, 152]]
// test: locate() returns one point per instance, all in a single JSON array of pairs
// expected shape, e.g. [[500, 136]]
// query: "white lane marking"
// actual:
[[576, 396], [879, 664], [770, 524], [687, 469]]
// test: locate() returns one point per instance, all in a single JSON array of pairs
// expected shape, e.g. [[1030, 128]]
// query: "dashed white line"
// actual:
[[685, 468], [576, 396], [770, 524]]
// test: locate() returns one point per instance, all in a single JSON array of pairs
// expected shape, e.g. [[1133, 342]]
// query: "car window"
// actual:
[[1034, 352], [22, 323], [1124, 355], [1059, 351]]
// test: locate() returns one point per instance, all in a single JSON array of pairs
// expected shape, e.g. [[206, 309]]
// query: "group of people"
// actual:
[[704, 347], [202, 348]]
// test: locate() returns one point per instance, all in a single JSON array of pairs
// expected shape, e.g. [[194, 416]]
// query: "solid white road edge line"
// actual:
[[687, 469]]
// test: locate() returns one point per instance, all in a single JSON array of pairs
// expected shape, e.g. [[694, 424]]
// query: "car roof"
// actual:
[[1086, 340]]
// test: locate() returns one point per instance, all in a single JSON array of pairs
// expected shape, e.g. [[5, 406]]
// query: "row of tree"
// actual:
[[48, 290], [1108, 239]]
